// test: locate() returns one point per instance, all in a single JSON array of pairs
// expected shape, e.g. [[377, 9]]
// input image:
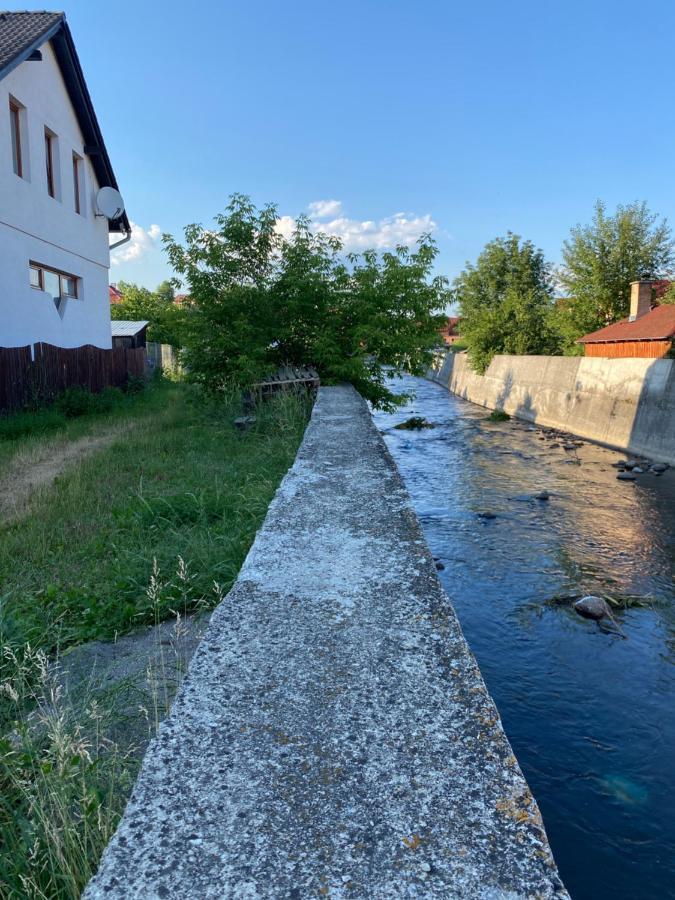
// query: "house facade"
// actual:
[[648, 332], [54, 245]]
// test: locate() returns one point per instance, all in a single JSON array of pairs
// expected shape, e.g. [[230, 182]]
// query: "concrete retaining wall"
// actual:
[[624, 403], [333, 736]]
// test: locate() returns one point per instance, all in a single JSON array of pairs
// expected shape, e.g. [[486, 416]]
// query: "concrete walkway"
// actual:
[[334, 736]]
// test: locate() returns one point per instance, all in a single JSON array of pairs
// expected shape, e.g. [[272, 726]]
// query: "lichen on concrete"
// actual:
[[333, 736]]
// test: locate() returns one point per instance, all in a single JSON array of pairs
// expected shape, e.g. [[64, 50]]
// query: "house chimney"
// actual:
[[640, 299]]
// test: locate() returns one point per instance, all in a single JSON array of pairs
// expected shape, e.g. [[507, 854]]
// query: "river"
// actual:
[[590, 712]]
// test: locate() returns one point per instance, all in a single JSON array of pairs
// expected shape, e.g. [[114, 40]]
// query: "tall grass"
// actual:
[[182, 493]]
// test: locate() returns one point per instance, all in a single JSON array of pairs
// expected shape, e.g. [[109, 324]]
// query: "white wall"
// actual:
[[35, 226], [624, 403]]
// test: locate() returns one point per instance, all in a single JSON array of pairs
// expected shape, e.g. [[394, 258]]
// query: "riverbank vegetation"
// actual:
[[259, 300], [154, 524], [514, 301]]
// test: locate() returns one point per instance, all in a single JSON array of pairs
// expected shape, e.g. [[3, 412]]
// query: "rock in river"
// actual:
[[626, 476], [542, 495], [591, 607]]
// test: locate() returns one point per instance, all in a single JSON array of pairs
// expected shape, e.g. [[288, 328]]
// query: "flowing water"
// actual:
[[590, 712]]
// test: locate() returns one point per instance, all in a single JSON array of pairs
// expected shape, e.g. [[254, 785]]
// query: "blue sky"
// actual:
[[472, 118]]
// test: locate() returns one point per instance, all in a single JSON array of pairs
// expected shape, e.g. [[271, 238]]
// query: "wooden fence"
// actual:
[[26, 378]]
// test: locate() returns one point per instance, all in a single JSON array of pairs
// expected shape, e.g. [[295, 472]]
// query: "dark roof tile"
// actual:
[[19, 31]]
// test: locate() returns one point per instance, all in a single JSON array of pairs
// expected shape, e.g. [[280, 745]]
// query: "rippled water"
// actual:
[[590, 714]]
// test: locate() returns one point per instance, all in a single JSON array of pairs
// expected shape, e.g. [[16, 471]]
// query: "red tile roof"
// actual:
[[114, 294], [657, 325]]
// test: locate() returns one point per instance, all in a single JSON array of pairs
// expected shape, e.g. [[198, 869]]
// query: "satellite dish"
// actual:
[[109, 203]]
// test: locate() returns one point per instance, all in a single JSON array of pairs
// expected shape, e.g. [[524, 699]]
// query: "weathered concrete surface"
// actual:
[[333, 736], [624, 403]]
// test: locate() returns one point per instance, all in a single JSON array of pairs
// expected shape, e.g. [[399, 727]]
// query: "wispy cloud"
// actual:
[[324, 209], [141, 243], [356, 234]]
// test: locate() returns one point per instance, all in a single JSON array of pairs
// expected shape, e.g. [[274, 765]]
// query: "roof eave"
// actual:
[[66, 54], [46, 35]]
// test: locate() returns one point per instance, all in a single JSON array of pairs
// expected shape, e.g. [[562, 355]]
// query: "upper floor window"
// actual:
[[77, 182], [51, 162], [15, 131]]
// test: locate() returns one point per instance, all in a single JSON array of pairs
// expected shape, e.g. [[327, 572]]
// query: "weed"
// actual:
[[498, 415]]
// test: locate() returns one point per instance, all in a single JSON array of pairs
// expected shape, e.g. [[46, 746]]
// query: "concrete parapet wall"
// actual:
[[333, 736], [624, 403]]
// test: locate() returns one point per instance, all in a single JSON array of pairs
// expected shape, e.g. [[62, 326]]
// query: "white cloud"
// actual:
[[285, 226], [141, 243], [357, 235], [324, 209]]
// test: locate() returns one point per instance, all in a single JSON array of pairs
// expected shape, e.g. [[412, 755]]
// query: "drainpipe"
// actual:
[[124, 240]]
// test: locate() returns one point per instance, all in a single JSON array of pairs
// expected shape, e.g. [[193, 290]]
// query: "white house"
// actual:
[[54, 248]]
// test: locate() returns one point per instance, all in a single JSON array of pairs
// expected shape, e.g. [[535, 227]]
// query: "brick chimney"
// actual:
[[640, 299]]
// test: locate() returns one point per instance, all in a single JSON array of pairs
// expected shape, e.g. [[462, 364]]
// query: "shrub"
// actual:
[[75, 401], [260, 300]]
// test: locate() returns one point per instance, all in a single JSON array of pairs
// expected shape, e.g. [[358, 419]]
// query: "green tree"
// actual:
[[259, 300], [601, 259], [506, 302], [156, 307]]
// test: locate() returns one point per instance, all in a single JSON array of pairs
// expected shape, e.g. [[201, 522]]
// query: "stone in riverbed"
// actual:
[[486, 515], [637, 470], [439, 566], [659, 467], [542, 495], [626, 476], [592, 607]]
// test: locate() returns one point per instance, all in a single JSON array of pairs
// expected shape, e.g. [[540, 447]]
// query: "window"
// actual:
[[36, 277], [50, 140], [15, 129], [77, 175], [55, 283]]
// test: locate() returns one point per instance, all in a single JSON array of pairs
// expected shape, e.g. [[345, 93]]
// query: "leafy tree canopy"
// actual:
[[506, 301], [157, 307], [602, 258], [259, 300]]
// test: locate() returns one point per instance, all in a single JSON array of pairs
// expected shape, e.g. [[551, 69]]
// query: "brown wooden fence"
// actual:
[[25, 380]]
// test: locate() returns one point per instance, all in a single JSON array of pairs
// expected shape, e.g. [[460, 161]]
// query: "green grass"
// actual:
[[157, 524], [182, 483]]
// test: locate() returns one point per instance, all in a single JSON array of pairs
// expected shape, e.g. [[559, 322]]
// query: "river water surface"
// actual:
[[590, 713]]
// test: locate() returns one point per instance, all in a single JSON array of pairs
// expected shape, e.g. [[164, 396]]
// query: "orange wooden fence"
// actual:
[[629, 349], [24, 380]]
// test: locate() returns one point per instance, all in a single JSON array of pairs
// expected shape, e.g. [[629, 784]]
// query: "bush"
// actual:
[[75, 401], [260, 300], [498, 415]]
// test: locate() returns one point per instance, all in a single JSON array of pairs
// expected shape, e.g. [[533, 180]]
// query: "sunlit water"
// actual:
[[590, 714]]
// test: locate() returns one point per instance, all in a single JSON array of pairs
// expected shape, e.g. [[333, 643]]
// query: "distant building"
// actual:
[[128, 334], [450, 331], [114, 294], [649, 330], [54, 246]]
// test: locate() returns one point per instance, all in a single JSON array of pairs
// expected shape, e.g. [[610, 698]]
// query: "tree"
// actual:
[[156, 307], [259, 300], [601, 259], [506, 302]]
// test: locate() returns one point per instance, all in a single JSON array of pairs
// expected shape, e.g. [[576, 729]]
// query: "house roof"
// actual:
[[657, 325], [21, 34], [114, 294], [125, 328]]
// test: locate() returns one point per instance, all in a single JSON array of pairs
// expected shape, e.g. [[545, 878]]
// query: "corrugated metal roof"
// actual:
[[657, 325], [125, 328]]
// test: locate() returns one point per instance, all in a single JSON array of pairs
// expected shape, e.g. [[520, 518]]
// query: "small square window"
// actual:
[[68, 286]]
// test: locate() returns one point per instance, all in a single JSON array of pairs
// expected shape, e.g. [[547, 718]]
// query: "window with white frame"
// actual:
[[55, 282]]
